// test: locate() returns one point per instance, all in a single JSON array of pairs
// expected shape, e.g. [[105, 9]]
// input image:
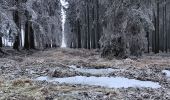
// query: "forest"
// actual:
[[84, 49]]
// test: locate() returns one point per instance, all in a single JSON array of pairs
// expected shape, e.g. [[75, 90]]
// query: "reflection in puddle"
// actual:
[[94, 71], [167, 72], [109, 82]]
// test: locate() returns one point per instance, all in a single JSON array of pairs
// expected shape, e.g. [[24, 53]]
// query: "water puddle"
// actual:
[[109, 82], [105, 71], [167, 72]]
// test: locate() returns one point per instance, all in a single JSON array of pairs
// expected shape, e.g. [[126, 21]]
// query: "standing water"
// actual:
[[64, 5]]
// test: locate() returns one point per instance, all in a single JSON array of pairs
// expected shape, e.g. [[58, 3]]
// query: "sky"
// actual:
[[65, 5]]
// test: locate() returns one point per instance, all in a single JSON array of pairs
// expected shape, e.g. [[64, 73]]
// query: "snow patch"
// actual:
[[167, 72], [94, 71]]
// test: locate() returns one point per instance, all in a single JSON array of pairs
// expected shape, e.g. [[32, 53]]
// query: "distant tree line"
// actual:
[[160, 38], [82, 25], [118, 27]]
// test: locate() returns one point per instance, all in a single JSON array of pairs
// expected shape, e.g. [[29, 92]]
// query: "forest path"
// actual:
[[18, 75]]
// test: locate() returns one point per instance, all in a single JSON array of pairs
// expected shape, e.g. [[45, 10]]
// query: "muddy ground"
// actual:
[[18, 73]]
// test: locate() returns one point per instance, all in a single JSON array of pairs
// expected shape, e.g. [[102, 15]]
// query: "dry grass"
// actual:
[[1, 82], [90, 58], [20, 82], [63, 58]]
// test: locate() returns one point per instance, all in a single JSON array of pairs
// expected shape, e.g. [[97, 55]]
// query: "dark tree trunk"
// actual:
[[17, 38], [54, 43], [32, 44], [93, 33], [86, 42], [147, 35], [166, 36], [157, 46], [16, 18], [47, 46], [88, 25], [93, 39], [79, 34], [97, 24], [29, 36], [0, 42], [154, 35], [163, 27], [27, 40], [16, 43]]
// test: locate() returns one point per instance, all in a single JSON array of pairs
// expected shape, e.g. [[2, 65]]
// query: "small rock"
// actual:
[[2, 68], [56, 74], [49, 98]]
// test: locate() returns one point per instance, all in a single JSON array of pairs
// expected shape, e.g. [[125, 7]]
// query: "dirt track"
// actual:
[[18, 74]]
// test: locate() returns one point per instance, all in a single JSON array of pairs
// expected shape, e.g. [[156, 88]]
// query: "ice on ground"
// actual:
[[167, 72], [109, 82], [94, 71]]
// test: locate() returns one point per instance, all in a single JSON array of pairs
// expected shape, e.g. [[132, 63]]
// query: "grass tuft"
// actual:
[[20, 82]]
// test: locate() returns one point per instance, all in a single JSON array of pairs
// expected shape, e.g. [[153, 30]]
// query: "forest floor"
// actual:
[[19, 73]]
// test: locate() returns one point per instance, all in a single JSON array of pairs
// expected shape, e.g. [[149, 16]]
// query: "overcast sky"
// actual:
[[64, 3]]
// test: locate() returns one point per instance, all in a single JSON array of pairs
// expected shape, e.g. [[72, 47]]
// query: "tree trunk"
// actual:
[[79, 34], [93, 33], [157, 30], [0, 42], [166, 36], [16, 43], [17, 39], [88, 26], [32, 43], [86, 42], [29, 36], [163, 27], [97, 24], [17, 21], [148, 40], [154, 35], [27, 39]]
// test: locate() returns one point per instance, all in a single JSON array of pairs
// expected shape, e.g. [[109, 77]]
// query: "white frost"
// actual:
[[167, 72], [94, 71]]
